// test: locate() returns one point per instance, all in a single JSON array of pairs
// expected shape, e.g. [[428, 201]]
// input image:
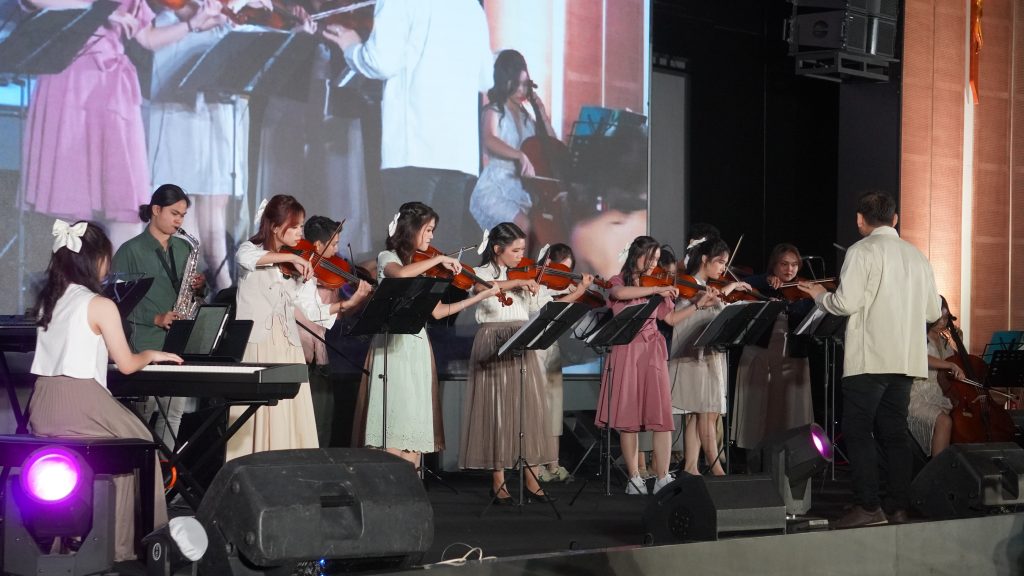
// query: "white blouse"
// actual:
[[68, 346], [264, 294], [523, 303]]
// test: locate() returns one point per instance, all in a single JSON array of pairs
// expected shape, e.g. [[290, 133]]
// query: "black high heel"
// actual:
[[539, 498], [500, 501]]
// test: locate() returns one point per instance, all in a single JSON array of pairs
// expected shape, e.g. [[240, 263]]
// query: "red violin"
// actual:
[[330, 272], [464, 280]]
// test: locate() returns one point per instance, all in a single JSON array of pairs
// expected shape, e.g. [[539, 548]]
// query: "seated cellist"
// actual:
[[928, 414]]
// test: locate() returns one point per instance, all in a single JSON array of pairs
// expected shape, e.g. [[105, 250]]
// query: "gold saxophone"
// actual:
[[187, 303]]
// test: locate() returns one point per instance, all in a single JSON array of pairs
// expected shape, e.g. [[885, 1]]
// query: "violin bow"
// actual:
[[732, 255]]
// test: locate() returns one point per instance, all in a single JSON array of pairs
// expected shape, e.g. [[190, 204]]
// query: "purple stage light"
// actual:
[[51, 474], [821, 442]]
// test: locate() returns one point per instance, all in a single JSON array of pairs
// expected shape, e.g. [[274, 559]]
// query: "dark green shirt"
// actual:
[[144, 254]]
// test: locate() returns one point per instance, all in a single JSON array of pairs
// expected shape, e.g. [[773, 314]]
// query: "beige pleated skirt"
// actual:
[[288, 424], [64, 407], [491, 408]]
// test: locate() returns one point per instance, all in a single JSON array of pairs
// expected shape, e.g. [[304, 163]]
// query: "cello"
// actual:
[[976, 416], [550, 159]]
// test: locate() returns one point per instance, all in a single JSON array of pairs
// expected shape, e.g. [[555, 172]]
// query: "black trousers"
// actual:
[[875, 407]]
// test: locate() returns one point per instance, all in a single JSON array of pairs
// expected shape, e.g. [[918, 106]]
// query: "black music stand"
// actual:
[[127, 294], [1006, 369], [540, 333], [617, 330], [46, 42], [738, 324], [828, 329], [397, 306]]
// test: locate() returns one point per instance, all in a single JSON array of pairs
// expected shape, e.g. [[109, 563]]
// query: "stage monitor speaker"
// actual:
[[695, 508], [268, 512], [970, 480]]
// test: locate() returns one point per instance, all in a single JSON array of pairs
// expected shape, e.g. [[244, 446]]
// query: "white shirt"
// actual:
[[887, 288], [264, 294], [435, 57], [68, 346], [523, 303]]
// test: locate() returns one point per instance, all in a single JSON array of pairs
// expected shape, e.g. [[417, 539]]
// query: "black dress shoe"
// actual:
[[499, 500], [540, 498]]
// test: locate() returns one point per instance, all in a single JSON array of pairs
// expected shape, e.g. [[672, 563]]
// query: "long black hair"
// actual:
[[164, 196], [67, 267], [507, 67], [559, 252], [412, 217], [641, 246], [710, 247], [501, 236]]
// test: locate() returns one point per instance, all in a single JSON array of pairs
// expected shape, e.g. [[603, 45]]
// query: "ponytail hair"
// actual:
[[501, 236], [67, 267], [412, 217], [712, 246], [164, 196], [281, 210]]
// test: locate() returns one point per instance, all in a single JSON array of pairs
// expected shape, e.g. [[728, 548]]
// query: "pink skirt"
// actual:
[[636, 396]]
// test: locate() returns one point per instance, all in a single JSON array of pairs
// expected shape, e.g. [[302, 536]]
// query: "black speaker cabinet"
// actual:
[[697, 508], [275, 509], [970, 480]]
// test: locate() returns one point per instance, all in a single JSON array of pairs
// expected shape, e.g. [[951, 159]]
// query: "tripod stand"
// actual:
[[553, 320], [617, 330], [737, 324]]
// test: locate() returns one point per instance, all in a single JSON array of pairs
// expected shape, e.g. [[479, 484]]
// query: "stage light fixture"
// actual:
[[792, 458], [56, 496]]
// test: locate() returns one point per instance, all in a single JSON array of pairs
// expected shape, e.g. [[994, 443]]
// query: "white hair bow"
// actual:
[[68, 236], [393, 225], [543, 252], [483, 242], [623, 254], [259, 212], [696, 242]]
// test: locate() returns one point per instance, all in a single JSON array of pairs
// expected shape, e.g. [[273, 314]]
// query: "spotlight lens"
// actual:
[[52, 477], [821, 443]]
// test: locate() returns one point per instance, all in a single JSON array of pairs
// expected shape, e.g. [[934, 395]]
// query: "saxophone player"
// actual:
[[159, 253]]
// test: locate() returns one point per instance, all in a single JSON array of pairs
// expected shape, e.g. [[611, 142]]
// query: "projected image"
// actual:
[[528, 111]]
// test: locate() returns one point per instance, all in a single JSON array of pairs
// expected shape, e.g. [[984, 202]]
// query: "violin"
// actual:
[[687, 285], [464, 280], [976, 416], [792, 292], [356, 16], [333, 272], [554, 275], [278, 16]]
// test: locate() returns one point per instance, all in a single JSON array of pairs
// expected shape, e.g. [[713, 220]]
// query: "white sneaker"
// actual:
[[636, 487], [662, 482]]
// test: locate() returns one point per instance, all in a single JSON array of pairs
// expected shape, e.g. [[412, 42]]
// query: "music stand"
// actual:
[[127, 294], [46, 42], [827, 329], [617, 330], [1006, 369], [397, 306], [539, 333], [738, 324]]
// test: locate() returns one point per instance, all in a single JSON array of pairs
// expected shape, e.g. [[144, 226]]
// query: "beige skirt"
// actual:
[[64, 407], [491, 408], [288, 424]]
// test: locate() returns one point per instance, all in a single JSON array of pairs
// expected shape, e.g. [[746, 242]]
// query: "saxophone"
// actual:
[[187, 303]]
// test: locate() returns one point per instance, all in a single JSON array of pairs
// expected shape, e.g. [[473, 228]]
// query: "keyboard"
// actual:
[[239, 382]]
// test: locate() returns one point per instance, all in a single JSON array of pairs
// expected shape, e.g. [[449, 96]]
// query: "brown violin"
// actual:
[[687, 285], [977, 417], [554, 275], [333, 272], [464, 280], [792, 292]]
